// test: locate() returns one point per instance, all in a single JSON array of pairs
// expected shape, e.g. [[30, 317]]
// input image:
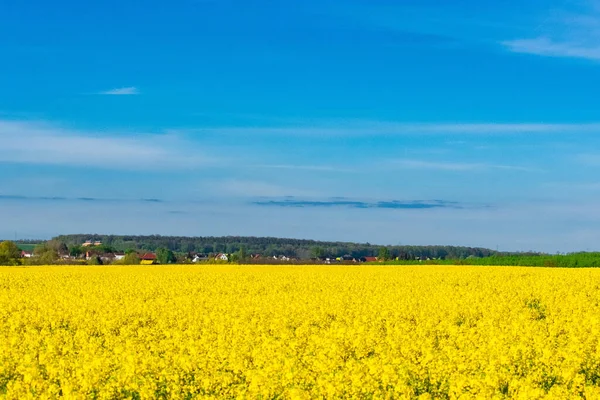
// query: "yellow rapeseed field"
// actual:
[[266, 332]]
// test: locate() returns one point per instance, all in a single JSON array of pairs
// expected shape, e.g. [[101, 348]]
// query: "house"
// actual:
[[328, 260], [148, 259], [119, 256], [222, 257], [107, 258], [347, 258], [26, 254], [199, 257]]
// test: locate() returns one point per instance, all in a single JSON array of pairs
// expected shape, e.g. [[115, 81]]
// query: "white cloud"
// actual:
[[455, 166], [565, 34], [131, 90], [46, 144]]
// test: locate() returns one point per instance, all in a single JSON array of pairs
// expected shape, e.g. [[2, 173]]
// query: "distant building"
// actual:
[[199, 257], [148, 259], [222, 257], [26, 254]]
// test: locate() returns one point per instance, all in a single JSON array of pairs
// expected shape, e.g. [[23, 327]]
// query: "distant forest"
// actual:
[[268, 246]]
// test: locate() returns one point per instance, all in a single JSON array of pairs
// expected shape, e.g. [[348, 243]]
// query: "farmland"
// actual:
[[299, 332]]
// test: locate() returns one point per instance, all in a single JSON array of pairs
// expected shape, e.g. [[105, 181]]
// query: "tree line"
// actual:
[[269, 246], [65, 249]]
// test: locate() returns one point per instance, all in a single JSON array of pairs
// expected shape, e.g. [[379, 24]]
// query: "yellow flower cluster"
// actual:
[[300, 332]]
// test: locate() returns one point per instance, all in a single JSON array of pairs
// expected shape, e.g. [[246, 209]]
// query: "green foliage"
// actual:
[[45, 254], [131, 258], [240, 247], [384, 254], [76, 251], [317, 252], [572, 260], [165, 256], [10, 253], [58, 246], [242, 254], [268, 246], [94, 260]]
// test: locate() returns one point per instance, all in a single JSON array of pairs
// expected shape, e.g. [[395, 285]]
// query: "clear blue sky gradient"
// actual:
[[415, 122]]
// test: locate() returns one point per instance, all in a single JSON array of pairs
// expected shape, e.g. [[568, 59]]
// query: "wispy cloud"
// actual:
[[323, 168], [48, 144], [544, 46], [569, 187], [383, 128], [8, 197], [565, 33], [348, 203], [455, 166], [124, 91]]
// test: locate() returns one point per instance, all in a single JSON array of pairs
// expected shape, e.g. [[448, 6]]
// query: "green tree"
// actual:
[[94, 260], [130, 258], [76, 251], [165, 256], [317, 252], [45, 254], [242, 254], [58, 246], [9, 253], [384, 254]]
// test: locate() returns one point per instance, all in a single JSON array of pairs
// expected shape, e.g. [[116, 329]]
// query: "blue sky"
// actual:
[[414, 122]]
